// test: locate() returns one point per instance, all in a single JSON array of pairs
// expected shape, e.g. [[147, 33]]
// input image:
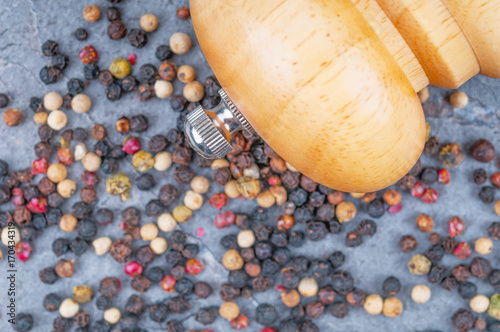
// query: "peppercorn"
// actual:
[[451, 155], [183, 174], [480, 267], [82, 319], [479, 303], [494, 230], [81, 34], [65, 268], [449, 244], [180, 43], [13, 117], [467, 290], [408, 243], [353, 239], [463, 320], [483, 151], [376, 208], [419, 265], [449, 283], [137, 38], [487, 194], [393, 307], [435, 253], [23, 322], [78, 246], [50, 74], [91, 71]]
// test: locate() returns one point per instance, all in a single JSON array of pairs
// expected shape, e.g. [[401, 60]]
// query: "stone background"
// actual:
[[25, 24]]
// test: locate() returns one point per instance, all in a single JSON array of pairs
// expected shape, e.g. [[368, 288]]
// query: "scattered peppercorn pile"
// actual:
[[279, 252]]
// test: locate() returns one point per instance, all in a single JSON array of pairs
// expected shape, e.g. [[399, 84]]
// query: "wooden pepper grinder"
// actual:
[[332, 85]]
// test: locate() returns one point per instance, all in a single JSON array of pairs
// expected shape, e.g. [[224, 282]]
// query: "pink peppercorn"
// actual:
[[224, 219], [39, 166], [218, 200], [132, 269], [131, 145], [88, 54], [430, 196], [393, 209], [23, 251], [456, 226], [38, 205], [17, 197], [132, 58], [168, 284], [443, 176], [463, 250], [193, 266], [418, 189]]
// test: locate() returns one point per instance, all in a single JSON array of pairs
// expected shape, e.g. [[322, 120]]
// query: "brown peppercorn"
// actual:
[[314, 309], [92, 13], [167, 71], [326, 295], [65, 268], [392, 197], [121, 251], [21, 215], [483, 151], [434, 238], [480, 267], [356, 297], [13, 117], [82, 319], [123, 125], [46, 186], [183, 13], [88, 194], [449, 244], [461, 273], [278, 165], [117, 30], [182, 155], [98, 132], [408, 243], [135, 305], [105, 77], [222, 176], [109, 287], [141, 284], [335, 197], [307, 184], [202, 290], [425, 223]]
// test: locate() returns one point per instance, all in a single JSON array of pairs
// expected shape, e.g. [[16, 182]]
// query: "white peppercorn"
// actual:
[[180, 43], [158, 245], [166, 222], [102, 245], [163, 89], [112, 315], [52, 101], [91, 162], [7, 238], [69, 308], [163, 161], [66, 188], [246, 238], [200, 184], [148, 232], [57, 120], [81, 103], [420, 293], [193, 200], [57, 172]]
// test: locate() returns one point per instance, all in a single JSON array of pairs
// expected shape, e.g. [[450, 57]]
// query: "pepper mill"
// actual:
[[332, 85]]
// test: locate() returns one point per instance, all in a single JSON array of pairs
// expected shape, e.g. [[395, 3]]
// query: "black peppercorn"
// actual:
[[138, 123], [339, 309], [309, 326], [334, 227], [203, 290], [80, 134], [296, 239], [36, 104], [436, 274], [60, 246], [261, 284], [316, 230], [320, 269], [375, 208], [155, 274], [81, 34], [50, 48], [54, 200], [173, 258], [184, 287], [144, 255], [91, 71], [326, 212], [48, 275], [38, 222], [467, 290], [408, 243], [103, 303], [43, 150], [135, 305], [148, 73], [61, 324], [137, 38], [53, 215], [103, 217], [113, 92], [178, 103], [178, 305], [487, 194], [82, 319], [51, 302], [60, 61], [154, 208], [183, 174], [342, 282], [87, 229], [494, 230], [109, 287], [391, 286], [105, 78], [449, 283], [463, 320], [101, 326], [4, 100], [78, 246], [494, 278], [265, 314], [81, 210], [129, 83], [113, 14], [435, 253], [353, 239]]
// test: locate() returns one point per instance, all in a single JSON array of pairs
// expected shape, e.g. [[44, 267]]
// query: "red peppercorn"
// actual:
[[168, 284], [132, 58], [456, 226], [39, 166], [90, 178], [193, 266], [224, 219], [269, 329], [285, 222], [38, 205], [463, 250], [395, 208], [88, 54], [17, 197], [131, 145], [443, 176], [218, 200], [23, 251], [239, 323], [132, 268], [430, 196], [418, 189]]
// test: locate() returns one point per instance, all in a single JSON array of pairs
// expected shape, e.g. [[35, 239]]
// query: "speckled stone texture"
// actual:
[[25, 24]]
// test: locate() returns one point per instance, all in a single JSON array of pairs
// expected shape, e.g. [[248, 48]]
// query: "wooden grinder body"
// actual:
[[331, 85]]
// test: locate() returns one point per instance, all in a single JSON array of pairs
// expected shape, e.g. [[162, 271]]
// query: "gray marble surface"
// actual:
[[25, 24]]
